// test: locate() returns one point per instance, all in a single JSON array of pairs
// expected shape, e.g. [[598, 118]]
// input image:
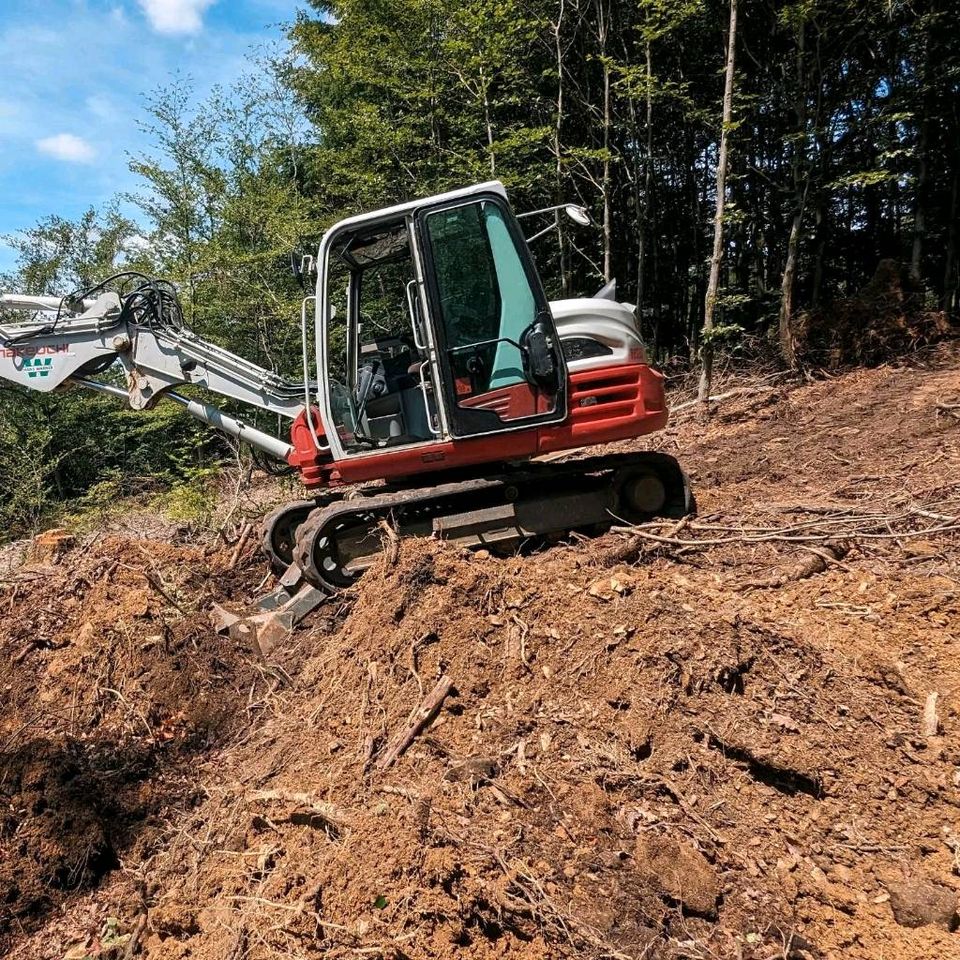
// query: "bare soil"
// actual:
[[697, 741]]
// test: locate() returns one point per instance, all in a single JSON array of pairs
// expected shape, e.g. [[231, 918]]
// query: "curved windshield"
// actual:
[[487, 306]]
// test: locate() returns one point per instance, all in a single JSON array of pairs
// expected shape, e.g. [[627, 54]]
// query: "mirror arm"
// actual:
[[539, 233]]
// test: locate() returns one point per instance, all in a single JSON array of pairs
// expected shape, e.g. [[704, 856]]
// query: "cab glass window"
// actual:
[[487, 305]]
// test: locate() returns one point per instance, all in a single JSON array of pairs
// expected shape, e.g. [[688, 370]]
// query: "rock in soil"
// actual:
[[916, 903], [680, 874]]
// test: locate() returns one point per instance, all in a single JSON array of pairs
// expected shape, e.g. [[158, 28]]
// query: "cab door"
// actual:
[[500, 366]]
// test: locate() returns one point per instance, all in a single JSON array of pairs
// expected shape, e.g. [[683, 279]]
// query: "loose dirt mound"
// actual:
[[889, 316], [696, 741], [112, 680]]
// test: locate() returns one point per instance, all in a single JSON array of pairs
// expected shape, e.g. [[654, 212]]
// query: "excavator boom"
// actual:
[[58, 349]]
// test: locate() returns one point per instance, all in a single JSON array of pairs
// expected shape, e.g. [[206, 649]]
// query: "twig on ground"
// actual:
[[736, 392], [867, 527], [427, 710], [820, 557], [687, 808], [931, 722], [631, 550], [326, 812], [136, 935], [391, 542], [241, 543]]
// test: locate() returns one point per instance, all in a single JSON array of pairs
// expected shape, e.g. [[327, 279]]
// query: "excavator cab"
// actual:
[[433, 328]]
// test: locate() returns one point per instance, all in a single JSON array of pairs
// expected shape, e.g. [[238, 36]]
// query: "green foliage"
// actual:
[[25, 470], [191, 500], [725, 334]]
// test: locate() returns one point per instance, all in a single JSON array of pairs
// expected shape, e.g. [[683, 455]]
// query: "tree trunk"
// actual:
[[647, 176], [950, 268], [788, 345], [817, 288], [920, 194], [603, 32], [607, 181], [706, 371], [488, 121], [557, 29]]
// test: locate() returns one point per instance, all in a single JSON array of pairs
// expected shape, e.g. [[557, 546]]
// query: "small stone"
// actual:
[[919, 903], [841, 873], [680, 874], [473, 770]]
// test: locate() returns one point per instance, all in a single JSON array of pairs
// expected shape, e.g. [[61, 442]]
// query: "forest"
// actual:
[[751, 169]]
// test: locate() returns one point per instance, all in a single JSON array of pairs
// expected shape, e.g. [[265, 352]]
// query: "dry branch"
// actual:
[[632, 549], [931, 722], [822, 531], [817, 561], [737, 392], [391, 543], [136, 935], [326, 812], [241, 543], [428, 709]]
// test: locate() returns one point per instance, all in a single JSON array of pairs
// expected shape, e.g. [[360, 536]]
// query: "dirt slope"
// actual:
[[695, 742]]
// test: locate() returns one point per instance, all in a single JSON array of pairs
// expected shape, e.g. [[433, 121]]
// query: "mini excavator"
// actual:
[[439, 391]]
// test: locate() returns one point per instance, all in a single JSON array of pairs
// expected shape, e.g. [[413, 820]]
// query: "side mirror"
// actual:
[[539, 361], [301, 266], [578, 214]]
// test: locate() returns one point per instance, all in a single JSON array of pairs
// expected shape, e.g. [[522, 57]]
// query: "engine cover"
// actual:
[[596, 332]]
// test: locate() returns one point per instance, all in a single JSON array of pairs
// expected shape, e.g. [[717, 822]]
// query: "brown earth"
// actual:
[[705, 741], [889, 316]]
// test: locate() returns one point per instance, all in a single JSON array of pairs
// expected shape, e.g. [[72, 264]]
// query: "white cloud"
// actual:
[[176, 16], [66, 146]]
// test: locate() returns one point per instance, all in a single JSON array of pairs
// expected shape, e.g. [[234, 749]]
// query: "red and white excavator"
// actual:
[[438, 369]]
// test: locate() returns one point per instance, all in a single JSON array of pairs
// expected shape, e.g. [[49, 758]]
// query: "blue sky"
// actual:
[[72, 78]]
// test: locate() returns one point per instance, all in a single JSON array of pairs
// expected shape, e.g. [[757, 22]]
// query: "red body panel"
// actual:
[[611, 403], [511, 403], [607, 404]]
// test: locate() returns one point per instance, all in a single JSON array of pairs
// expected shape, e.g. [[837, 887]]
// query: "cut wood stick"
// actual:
[[820, 557], [931, 721], [391, 543], [687, 808], [631, 550], [319, 808], [136, 935], [738, 392], [241, 543], [428, 709]]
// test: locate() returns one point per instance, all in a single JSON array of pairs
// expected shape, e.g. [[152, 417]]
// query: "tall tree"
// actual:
[[710, 303]]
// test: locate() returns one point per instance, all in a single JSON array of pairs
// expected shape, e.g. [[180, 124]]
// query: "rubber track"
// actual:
[[679, 501]]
